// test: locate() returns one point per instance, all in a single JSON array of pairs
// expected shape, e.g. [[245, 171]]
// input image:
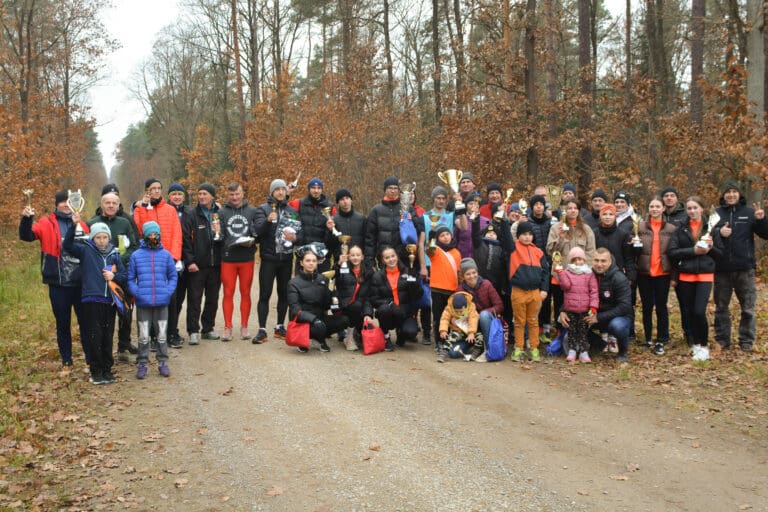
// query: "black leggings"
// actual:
[[328, 326], [693, 302], [653, 293], [268, 272], [395, 317]]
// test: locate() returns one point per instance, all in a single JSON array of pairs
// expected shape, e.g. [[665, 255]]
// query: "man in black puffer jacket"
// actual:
[[735, 271], [348, 222], [314, 224]]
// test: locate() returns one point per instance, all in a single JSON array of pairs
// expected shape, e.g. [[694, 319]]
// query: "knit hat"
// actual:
[[667, 190], [176, 187], [391, 181], [459, 301], [491, 187], [569, 186], [61, 196], [150, 181], [467, 176], [731, 184], [276, 184], [439, 191], [473, 196], [608, 206], [524, 227], [315, 182], [467, 264], [149, 227], [599, 193], [576, 252], [110, 188], [99, 227], [208, 188], [436, 232], [622, 195], [342, 193], [538, 198]]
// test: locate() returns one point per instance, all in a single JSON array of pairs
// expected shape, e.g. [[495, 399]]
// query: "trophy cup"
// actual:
[[344, 239], [432, 248], [557, 261], [705, 238], [327, 212], [554, 193], [523, 206], [295, 183], [76, 201], [274, 210], [411, 248], [216, 233], [636, 242], [407, 191], [28, 194], [504, 206], [452, 177]]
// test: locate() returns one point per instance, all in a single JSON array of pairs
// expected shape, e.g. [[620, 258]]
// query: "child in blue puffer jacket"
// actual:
[[152, 280]]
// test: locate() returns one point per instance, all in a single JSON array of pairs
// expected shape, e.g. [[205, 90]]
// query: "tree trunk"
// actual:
[[388, 56], [550, 23], [697, 61], [253, 54], [532, 157], [738, 27], [507, 39], [436, 58], [628, 78], [586, 87], [458, 50]]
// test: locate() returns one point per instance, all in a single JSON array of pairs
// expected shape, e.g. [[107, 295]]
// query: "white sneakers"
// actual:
[[194, 338], [700, 353]]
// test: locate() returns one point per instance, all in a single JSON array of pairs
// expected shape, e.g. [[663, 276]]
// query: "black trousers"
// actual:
[[693, 302], [206, 281], [327, 326], [653, 294], [174, 307], [269, 271], [439, 302], [354, 313], [397, 317], [99, 319]]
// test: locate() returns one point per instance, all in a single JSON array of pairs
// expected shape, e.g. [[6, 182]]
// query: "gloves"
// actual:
[[179, 266]]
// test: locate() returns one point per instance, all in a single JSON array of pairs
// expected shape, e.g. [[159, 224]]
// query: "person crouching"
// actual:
[[458, 329]]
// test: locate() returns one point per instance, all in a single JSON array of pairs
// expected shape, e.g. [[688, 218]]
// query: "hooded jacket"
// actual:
[[579, 291], [119, 227], [677, 216], [152, 276], [267, 231], [236, 222], [308, 296], [58, 268], [528, 268], [383, 228], [448, 318], [199, 246], [92, 261], [350, 223], [739, 248]]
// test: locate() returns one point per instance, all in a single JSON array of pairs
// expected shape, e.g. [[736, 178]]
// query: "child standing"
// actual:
[[100, 263], [444, 261], [458, 327], [152, 280], [529, 277], [580, 300]]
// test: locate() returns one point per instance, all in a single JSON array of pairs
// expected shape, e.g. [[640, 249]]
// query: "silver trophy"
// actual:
[[76, 201], [407, 193]]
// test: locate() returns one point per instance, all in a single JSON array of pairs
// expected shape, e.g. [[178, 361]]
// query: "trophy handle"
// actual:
[[442, 177], [459, 175]]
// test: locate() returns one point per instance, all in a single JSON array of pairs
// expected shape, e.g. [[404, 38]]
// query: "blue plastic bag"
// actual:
[[496, 348], [426, 299], [408, 234], [555, 347]]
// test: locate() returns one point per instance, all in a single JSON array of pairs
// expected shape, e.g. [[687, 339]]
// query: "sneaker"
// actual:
[[322, 346], [194, 338], [261, 337], [571, 356], [302, 350], [109, 378], [745, 347], [648, 344], [141, 371], [584, 357], [622, 357], [442, 355], [66, 364], [475, 352], [133, 349], [244, 334], [535, 357], [349, 343], [211, 336], [658, 349], [175, 341], [123, 356], [227, 336], [279, 331], [97, 379], [389, 346], [482, 358], [163, 369], [544, 338], [700, 353], [426, 338], [516, 355]]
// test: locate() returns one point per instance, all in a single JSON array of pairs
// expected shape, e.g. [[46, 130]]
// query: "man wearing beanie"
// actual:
[[735, 271], [202, 263], [237, 257], [124, 239], [674, 210], [60, 269], [153, 207], [277, 227], [176, 197], [315, 226], [597, 200], [624, 210], [348, 222], [494, 196]]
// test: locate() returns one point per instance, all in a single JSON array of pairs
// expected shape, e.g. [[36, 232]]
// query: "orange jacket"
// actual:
[[167, 218], [445, 270]]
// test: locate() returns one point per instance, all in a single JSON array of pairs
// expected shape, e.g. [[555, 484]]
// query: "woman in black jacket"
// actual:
[[309, 300], [393, 293], [694, 255], [352, 283]]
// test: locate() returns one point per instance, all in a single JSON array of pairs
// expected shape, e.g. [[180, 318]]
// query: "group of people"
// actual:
[[448, 272]]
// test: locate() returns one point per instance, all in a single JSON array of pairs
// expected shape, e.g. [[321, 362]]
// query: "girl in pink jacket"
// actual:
[[580, 301]]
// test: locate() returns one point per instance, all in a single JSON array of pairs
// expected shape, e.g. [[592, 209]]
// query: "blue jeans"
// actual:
[[484, 324], [619, 328]]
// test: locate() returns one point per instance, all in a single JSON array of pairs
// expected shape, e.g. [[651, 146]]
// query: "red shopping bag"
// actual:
[[297, 334], [373, 338]]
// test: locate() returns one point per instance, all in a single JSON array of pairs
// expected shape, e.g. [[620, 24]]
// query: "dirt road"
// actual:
[[245, 427]]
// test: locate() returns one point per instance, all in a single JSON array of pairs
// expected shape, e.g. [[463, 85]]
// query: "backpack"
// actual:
[[496, 347], [555, 347]]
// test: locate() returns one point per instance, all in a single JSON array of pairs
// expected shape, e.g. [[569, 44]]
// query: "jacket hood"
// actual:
[[470, 302]]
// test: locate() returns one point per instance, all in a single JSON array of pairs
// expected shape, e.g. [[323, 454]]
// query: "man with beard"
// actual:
[[315, 226], [674, 211], [597, 201], [348, 222]]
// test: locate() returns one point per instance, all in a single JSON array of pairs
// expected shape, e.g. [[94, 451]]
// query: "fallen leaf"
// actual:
[[275, 491], [228, 392], [180, 482], [632, 467], [622, 478], [745, 506], [375, 447], [582, 493]]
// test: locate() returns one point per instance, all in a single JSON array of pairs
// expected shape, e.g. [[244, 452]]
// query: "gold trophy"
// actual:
[[636, 242], [76, 201], [28, 194], [706, 237], [274, 210], [216, 232], [411, 248], [329, 274], [327, 212], [344, 239], [554, 193], [557, 261], [452, 178], [504, 206]]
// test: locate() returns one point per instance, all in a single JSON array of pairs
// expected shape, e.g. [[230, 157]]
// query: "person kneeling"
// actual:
[[458, 329]]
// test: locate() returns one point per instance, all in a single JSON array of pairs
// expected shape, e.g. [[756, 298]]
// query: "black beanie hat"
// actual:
[[524, 227], [622, 195], [599, 193], [437, 231], [491, 187], [667, 190], [538, 198], [110, 188], [150, 181], [61, 196], [390, 181], [342, 193], [208, 188]]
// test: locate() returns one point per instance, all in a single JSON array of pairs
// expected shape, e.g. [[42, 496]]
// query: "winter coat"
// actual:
[[528, 268], [592, 219], [350, 223], [267, 231], [448, 318], [308, 296], [484, 296], [313, 221], [619, 243], [345, 283], [677, 217], [167, 218], [541, 226], [615, 295], [119, 227], [152, 276], [682, 251], [58, 267], [383, 228], [575, 237], [645, 232], [739, 248], [92, 261], [236, 223], [199, 246], [579, 291], [409, 290]]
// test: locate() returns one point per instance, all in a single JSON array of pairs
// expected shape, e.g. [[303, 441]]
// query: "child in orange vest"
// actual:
[[444, 261]]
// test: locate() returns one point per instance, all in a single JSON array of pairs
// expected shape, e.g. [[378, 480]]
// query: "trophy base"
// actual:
[[637, 244], [703, 244]]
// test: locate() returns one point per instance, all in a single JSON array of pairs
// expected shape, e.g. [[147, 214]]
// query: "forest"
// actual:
[[657, 92]]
